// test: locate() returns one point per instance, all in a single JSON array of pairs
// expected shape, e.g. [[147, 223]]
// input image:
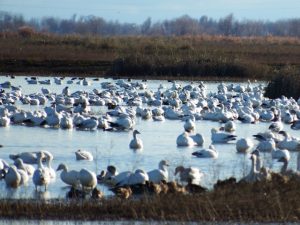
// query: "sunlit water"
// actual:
[[159, 140]]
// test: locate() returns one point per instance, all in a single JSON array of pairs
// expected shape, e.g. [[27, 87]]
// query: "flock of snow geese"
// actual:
[[126, 100]]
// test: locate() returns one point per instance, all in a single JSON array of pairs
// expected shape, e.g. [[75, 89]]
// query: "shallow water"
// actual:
[[159, 140]]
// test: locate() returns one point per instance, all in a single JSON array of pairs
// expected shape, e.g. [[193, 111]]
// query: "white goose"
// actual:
[[267, 145], [27, 157], [211, 152], [41, 176], [106, 176], [289, 143], [285, 171], [119, 177], [253, 175], [190, 175], [12, 177], [51, 171], [278, 154], [230, 126], [87, 178], [189, 124], [27, 167], [244, 145], [259, 162], [221, 137], [83, 155], [136, 143], [69, 177], [157, 175], [198, 139], [296, 125], [138, 177], [184, 140]]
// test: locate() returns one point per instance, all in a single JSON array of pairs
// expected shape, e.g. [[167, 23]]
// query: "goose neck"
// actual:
[[284, 167], [253, 165]]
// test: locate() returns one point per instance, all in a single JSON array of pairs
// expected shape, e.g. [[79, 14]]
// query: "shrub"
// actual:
[[26, 31], [286, 83]]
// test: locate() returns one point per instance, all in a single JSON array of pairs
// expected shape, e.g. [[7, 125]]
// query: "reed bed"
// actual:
[[194, 57], [261, 201]]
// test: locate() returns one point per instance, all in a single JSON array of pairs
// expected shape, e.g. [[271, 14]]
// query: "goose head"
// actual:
[[112, 169], [284, 133], [61, 167], [179, 169], [163, 163], [255, 152], [19, 163], [135, 132], [283, 159], [40, 155], [214, 130]]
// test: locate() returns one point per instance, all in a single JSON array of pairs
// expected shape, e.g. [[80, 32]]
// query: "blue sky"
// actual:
[[138, 10]]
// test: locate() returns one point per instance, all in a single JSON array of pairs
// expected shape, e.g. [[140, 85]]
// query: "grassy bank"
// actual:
[[192, 57], [262, 201]]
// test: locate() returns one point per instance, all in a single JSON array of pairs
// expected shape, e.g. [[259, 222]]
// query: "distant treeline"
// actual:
[[184, 25]]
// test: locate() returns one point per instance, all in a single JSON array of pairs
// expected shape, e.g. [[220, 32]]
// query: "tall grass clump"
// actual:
[[286, 83]]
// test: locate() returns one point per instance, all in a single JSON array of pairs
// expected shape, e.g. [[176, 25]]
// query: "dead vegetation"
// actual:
[[276, 200], [189, 57]]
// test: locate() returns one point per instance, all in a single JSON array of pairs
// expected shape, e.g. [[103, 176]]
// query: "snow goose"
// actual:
[[211, 152], [278, 154], [262, 136], [88, 179], [276, 126], [119, 177], [244, 145], [12, 177], [189, 124], [230, 126], [106, 176], [198, 139], [259, 163], [253, 175], [296, 125], [18, 117], [124, 122], [184, 140], [4, 121], [289, 143], [157, 175], [3, 165], [190, 175], [89, 124], [51, 171], [66, 91], [138, 177], [24, 176], [69, 177], [41, 176], [83, 155], [221, 137], [136, 143], [285, 161], [27, 157], [66, 122], [27, 167]]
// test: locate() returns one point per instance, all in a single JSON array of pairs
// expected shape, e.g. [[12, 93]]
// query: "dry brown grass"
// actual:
[[189, 56], [262, 202]]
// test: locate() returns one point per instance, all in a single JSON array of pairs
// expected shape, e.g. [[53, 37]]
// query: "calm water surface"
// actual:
[[159, 140]]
